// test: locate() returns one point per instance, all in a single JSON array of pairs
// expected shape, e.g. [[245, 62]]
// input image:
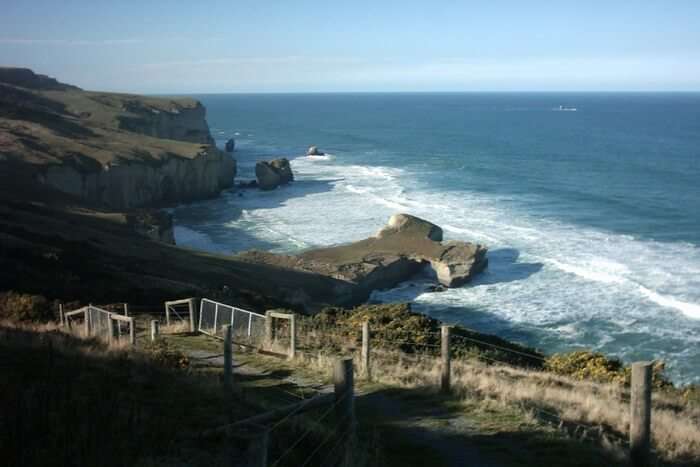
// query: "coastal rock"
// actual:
[[408, 225], [230, 145], [458, 263], [272, 174], [436, 288], [154, 224], [400, 250], [134, 184], [313, 151]]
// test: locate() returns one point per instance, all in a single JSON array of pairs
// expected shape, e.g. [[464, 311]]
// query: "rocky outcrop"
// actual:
[[314, 151], [128, 184], [230, 145], [412, 226], [272, 174], [401, 249], [154, 224]]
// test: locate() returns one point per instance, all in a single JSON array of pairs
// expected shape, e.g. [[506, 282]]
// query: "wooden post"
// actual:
[[640, 414], [269, 329], [126, 309], [256, 440], [167, 314], [61, 318], [112, 325], [445, 347], [292, 337], [365, 351], [155, 330], [193, 310], [87, 322], [132, 331], [345, 403], [228, 358]]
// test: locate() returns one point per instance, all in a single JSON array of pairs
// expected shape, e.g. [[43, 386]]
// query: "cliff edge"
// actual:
[[114, 150]]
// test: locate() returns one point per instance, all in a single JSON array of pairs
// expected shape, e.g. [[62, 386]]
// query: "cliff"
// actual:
[[114, 150]]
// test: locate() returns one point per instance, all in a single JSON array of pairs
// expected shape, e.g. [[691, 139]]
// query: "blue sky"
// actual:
[[295, 45]]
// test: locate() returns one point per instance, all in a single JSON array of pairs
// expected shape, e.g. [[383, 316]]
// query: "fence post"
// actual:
[[126, 309], [228, 358], [87, 322], [344, 402], [445, 348], [132, 331], [365, 351], [292, 337], [61, 319], [192, 306], [269, 329], [167, 314], [111, 328], [155, 329], [640, 414]]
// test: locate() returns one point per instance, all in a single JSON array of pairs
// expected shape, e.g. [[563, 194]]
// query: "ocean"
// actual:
[[592, 216]]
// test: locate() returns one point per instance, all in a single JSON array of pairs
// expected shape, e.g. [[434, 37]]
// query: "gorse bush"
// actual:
[[587, 365], [16, 306]]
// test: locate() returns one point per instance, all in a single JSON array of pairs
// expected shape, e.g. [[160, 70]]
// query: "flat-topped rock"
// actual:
[[398, 251]]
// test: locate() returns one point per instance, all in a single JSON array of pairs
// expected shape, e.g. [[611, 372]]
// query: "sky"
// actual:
[[161, 46]]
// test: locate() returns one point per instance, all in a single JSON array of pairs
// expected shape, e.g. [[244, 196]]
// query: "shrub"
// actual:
[[587, 365], [16, 306], [163, 354]]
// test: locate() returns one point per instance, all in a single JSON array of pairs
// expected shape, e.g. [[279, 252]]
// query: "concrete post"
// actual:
[[132, 331], [365, 351], [292, 337], [155, 330], [269, 329], [640, 414], [167, 315], [126, 309], [228, 358], [61, 318], [446, 364], [345, 403], [193, 310]]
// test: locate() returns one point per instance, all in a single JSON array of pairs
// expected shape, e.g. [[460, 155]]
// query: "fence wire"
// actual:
[[247, 327]]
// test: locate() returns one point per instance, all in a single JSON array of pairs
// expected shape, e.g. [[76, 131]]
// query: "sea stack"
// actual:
[[274, 173], [230, 145], [313, 151]]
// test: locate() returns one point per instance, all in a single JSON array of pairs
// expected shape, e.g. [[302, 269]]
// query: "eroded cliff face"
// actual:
[[116, 150], [130, 184], [176, 121]]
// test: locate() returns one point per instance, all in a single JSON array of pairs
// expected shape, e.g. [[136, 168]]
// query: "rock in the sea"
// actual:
[[230, 145], [248, 184], [458, 262], [313, 151], [407, 224], [436, 288], [284, 169], [399, 251], [272, 174]]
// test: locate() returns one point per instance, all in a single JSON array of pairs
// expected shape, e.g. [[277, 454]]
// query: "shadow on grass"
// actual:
[[421, 427]]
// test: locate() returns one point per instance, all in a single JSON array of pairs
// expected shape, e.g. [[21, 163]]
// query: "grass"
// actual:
[[71, 401]]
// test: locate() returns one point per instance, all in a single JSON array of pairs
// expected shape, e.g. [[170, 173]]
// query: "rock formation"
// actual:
[[114, 150], [272, 174], [397, 252], [230, 145], [313, 151]]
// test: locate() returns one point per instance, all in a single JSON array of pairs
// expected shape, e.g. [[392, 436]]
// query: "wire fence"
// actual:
[[247, 327]]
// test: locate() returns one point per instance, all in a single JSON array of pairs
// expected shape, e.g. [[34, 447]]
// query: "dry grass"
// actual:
[[586, 408]]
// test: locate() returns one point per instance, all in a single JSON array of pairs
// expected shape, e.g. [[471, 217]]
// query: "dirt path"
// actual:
[[413, 430]]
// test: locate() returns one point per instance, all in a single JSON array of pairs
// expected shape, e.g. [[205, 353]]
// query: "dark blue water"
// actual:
[[591, 215]]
